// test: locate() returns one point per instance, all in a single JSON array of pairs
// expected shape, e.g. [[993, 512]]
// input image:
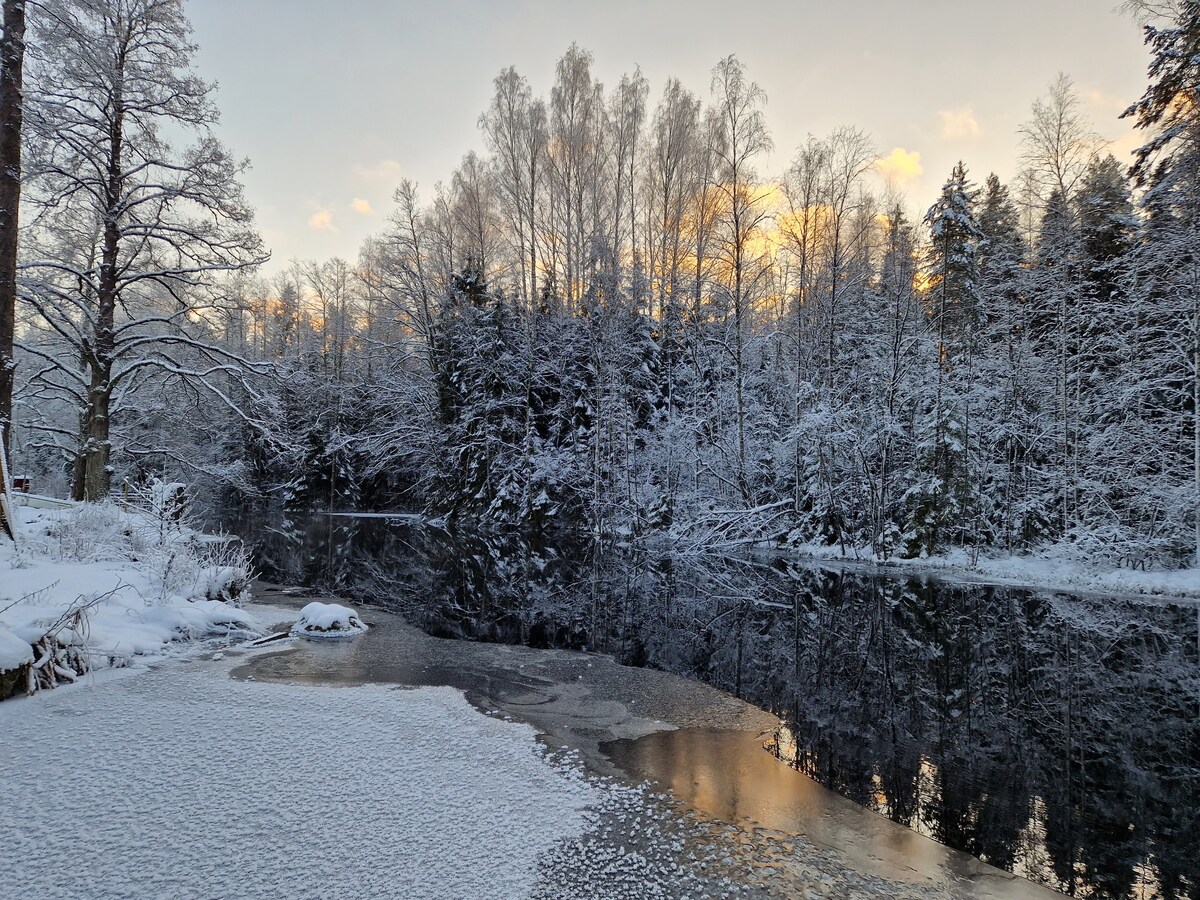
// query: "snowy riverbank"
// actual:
[[96, 586], [1052, 569]]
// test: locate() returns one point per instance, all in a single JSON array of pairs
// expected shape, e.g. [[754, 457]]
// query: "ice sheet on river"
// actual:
[[187, 783]]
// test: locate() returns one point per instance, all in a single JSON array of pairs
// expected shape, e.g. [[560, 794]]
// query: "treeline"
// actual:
[[613, 320]]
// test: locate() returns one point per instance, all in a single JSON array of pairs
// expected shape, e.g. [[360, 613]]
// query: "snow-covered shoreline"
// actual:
[[97, 586], [1049, 572]]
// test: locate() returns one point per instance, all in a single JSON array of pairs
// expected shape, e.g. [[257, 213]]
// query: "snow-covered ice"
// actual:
[[328, 620], [185, 783]]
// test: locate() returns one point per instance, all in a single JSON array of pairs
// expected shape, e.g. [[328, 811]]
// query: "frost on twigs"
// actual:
[[328, 620], [61, 652]]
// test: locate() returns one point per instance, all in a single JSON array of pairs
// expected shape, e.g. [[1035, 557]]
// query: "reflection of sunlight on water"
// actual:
[[1032, 859], [726, 775]]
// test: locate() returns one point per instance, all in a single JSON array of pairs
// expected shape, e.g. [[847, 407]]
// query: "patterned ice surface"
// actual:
[[185, 783]]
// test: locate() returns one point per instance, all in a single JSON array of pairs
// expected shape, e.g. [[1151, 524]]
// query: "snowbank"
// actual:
[[328, 620], [15, 651], [102, 586], [150, 810]]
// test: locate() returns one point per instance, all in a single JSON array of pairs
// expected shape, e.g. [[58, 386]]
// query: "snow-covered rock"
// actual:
[[326, 620]]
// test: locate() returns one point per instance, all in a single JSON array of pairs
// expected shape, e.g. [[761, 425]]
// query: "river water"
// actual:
[[1052, 736]]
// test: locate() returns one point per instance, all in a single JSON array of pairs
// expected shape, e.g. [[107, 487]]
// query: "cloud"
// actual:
[[322, 220], [1107, 104], [362, 207], [900, 165], [958, 124], [386, 170]]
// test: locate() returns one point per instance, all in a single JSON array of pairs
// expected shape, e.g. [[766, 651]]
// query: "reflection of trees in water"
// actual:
[[1048, 735]]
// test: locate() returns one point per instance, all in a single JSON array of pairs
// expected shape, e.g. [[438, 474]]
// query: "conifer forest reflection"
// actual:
[[1054, 736]]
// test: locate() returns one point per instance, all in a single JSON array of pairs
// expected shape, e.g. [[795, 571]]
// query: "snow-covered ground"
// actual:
[[1051, 569], [141, 585], [183, 782]]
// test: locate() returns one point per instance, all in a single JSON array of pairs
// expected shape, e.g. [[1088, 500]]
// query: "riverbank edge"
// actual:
[[1022, 572]]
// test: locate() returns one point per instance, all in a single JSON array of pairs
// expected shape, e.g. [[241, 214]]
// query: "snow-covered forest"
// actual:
[[611, 317]]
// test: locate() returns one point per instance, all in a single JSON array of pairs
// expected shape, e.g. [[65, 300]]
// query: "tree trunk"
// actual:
[[1196, 420], [12, 57], [97, 476], [97, 447]]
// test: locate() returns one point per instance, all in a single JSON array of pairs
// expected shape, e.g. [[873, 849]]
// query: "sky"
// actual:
[[335, 101]]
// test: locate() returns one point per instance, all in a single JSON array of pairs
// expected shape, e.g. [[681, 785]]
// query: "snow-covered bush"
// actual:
[[207, 570], [226, 583], [59, 644], [182, 564], [90, 532], [328, 620]]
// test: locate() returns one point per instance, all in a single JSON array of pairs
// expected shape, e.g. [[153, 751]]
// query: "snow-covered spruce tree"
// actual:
[[901, 359], [130, 236], [1165, 283], [479, 396], [1057, 314], [1014, 381], [1105, 389], [943, 499]]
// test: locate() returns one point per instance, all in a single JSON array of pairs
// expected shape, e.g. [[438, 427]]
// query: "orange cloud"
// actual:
[[362, 207], [322, 220], [958, 124], [900, 165]]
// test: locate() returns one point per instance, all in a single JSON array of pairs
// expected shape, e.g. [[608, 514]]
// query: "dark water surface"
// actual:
[[1053, 736]]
